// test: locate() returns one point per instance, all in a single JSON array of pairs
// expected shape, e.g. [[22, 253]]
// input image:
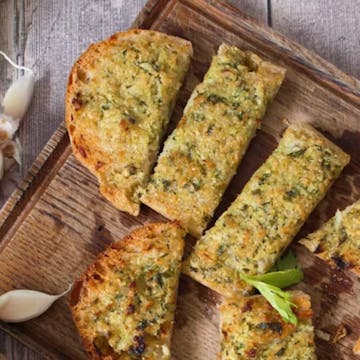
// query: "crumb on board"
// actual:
[[322, 335], [340, 333]]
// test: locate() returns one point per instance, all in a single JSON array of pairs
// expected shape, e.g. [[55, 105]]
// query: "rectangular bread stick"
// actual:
[[257, 227], [202, 154], [338, 241]]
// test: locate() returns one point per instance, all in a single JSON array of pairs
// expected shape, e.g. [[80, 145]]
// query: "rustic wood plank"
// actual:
[[56, 33], [58, 219], [8, 43], [7, 73], [257, 9], [11, 349], [252, 8], [328, 27], [65, 37]]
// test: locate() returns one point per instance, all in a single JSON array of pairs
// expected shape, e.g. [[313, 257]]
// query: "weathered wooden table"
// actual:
[[47, 35]]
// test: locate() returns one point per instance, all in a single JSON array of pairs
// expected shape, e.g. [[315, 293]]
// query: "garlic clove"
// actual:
[[17, 99], [17, 150], [23, 305], [14, 106]]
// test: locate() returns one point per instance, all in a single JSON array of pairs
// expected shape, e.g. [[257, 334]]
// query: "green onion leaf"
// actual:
[[285, 272], [280, 300], [281, 279], [285, 262]]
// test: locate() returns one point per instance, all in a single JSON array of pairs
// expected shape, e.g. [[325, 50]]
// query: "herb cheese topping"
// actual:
[[252, 329], [201, 156], [274, 204], [120, 96], [126, 302], [338, 240]]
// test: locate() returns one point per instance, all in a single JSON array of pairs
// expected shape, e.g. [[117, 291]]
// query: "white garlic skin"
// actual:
[[14, 106], [17, 150], [8, 125], [18, 97], [22, 305]]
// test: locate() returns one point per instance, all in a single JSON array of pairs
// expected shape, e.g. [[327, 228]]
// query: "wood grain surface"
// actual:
[[329, 28], [48, 35]]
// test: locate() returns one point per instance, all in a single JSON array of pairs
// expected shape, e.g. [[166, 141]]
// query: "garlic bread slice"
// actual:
[[252, 329], [257, 227], [119, 99], [338, 240], [124, 304], [201, 156]]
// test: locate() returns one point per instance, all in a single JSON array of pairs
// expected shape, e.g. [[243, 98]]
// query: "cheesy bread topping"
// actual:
[[252, 329], [338, 240], [124, 304], [201, 156], [257, 227], [120, 96]]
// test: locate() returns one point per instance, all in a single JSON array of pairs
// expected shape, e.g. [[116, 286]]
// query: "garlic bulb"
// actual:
[[14, 105], [17, 150], [18, 97], [22, 305]]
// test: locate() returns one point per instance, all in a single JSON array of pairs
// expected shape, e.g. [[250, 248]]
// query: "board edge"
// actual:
[[59, 141], [315, 66]]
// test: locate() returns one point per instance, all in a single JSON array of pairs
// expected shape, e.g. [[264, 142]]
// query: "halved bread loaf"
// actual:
[[119, 99], [124, 304]]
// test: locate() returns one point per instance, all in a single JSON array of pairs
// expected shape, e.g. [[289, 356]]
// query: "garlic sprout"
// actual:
[[13, 107], [23, 305]]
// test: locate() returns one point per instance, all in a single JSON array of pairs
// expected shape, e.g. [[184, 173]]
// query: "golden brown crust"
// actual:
[[109, 163], [311, 132], [108, 288], [196, 164], [253, 232], [338, 241], [252, 329]]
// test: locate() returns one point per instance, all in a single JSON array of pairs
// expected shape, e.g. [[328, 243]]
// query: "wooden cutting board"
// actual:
[[56, 222]]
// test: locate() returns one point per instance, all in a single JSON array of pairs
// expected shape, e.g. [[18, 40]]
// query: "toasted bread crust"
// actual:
[[201, 156], [119, 98], [253, 232], [338, 241], [108, 302], [252, 329]]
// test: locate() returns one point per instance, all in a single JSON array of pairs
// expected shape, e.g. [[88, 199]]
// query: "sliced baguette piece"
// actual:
[[124, 304], [202, 154], [338, 241], [252, 329], [257, 227], [119, 99]]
